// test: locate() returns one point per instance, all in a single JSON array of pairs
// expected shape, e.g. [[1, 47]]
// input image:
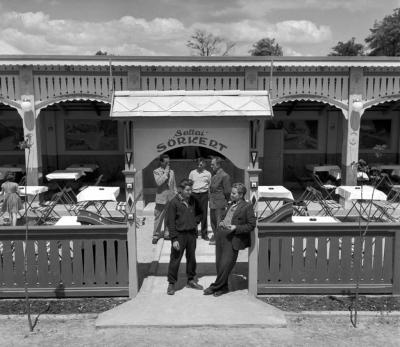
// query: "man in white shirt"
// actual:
[[201, 182]]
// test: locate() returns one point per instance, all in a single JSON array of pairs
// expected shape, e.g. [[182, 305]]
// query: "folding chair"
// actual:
[[327, 189], [96, 183], [327, 207], [385, 209], [46, 211], [283, 213], [300, 206]]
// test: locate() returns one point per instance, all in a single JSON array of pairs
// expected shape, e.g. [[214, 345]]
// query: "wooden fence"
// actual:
[[64, 261], [325, 258]]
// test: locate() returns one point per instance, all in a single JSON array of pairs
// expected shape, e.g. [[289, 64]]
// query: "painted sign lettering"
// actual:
[[190, 137]]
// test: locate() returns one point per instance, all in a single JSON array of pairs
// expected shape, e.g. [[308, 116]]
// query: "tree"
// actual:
[[100, 52], [384, 38], [206, 44], [266, 47], [349, 48]]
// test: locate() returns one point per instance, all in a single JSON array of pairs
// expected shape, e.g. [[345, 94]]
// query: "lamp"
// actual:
[[357, 105], [26, 105]]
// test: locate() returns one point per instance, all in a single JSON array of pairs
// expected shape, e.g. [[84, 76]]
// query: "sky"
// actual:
[[163, 27]]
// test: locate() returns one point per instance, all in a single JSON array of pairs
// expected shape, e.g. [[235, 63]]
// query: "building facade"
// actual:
[[331, 110]]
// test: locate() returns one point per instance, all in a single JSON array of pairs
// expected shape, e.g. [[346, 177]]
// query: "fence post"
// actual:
[[396, 263]]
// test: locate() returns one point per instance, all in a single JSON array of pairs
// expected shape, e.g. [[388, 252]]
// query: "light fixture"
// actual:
[[26, 105], [357, 105]]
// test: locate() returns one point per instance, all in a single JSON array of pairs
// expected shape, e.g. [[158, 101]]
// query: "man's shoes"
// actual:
[[167, 237], [208, 291], [171, 289], [154, 241], [205, 237], [212, 240], [192, 284], [221, 292]]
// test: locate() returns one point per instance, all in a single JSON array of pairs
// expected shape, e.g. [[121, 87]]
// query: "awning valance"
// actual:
[[230, 103]]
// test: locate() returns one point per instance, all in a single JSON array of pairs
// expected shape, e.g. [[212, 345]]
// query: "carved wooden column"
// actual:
[[351, 127], [129, 173], [33, 158]]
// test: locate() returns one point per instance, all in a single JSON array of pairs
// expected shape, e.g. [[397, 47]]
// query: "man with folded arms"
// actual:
[[181, 220], [233, 235]]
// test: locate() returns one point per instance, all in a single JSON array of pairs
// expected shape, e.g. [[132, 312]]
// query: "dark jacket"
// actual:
[[245, 222], [181, 217], [220, 189]]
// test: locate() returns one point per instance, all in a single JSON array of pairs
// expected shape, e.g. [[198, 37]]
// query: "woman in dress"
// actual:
[[12, 202]]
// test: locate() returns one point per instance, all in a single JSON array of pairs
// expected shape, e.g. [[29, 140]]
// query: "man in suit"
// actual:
[[220, 189], [166, 190], [233, 235]]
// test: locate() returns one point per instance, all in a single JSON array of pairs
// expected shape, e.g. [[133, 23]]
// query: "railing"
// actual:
[[9, 87], [52, 86], [64, 261], [334, 87], [380, 86], [325, 258]]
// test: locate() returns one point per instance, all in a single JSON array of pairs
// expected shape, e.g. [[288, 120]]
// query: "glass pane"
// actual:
[[91, 135], [11, 133], [375, 132], [300, 134]]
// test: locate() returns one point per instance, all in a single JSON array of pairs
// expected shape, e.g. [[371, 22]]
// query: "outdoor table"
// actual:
[[83, 167], [99, 196], [359, 195], [32, 191], [65, 176], [67, 220], [268, 194], [314, 219]]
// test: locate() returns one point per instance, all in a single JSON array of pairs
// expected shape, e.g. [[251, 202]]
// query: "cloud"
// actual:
[[38, 33]]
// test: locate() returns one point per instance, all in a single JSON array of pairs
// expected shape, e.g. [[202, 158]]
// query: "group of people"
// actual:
[[185, 206]]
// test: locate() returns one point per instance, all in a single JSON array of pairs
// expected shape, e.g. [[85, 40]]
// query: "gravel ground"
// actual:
[[301, 331]]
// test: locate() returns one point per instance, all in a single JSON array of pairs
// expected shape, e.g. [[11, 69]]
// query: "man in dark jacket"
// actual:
[[220, 188], [233, 235], [182, 225]]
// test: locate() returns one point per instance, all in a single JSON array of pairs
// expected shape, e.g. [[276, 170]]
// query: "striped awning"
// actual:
[[230, 103]]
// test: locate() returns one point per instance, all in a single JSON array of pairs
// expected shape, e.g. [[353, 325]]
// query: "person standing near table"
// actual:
[[220, 189], [233, 235], [182, 217], [166, 190], [201, 182], [12, 202]]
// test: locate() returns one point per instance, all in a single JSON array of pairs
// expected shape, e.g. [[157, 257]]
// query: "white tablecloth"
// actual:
[[67, 220], [314, 219], [274, 193], [32, 190], [65, 175], [82, 167], [360, 193], [94, 193]]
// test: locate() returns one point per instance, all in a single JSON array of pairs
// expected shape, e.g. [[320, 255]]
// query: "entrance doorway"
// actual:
[[183, 160]]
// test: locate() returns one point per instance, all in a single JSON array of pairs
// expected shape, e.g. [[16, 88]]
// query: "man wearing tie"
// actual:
[[166, 190]]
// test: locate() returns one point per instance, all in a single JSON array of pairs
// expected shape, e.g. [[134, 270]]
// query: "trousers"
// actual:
[[202, 202], [225, 258], [215, 218], [160, 211], [187, 242]]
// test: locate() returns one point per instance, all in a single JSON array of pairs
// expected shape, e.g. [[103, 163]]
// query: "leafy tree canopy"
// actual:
[[266, 47], [384, 38], [349, 48], [100, 52]]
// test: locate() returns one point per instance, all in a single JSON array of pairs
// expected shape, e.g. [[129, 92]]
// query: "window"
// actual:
[[91, 135], [375, 132], [11, 133]]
